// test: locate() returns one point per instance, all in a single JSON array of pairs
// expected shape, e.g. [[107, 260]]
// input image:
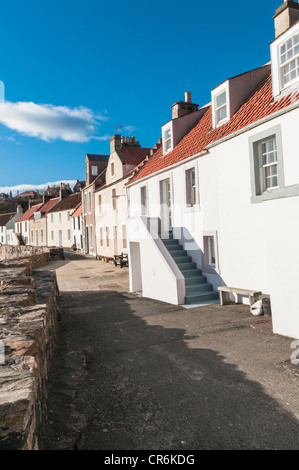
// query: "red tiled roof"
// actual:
[[27, 194], [29, 213], [259, 105], [49, 205], [4, 218], [134, 155], [68, 203], [77, 211]]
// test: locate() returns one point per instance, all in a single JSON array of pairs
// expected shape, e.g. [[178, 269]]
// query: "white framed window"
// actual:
[[89, 201], [59, 216], [210, 252], [85, 204], [285, 62], [112, 169], [221, 104], [191, 190], [124, 234], [167, 138], [52, 218], [114, 200], [68, 215], [221, 107], [267, 166], [289, 60], [107, 236], [94, 170], [100, 203], [90, 236], [143, 200], [101, 236], [52, 235], [68, 234], [267, 151]]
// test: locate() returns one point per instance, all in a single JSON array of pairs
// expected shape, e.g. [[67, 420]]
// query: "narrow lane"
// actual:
[[130, 373]]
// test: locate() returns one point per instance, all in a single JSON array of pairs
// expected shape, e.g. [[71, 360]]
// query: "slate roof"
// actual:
[[5, 218], [134, 155], [94, 157], [68, 203], [259, 105]]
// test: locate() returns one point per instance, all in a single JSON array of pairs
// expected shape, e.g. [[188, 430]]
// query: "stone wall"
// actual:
[[30, 252], [27, 339]]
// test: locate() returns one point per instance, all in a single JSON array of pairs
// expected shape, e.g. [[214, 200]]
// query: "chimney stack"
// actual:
[[286, 16], [115, 143], [181, 108], [188, 97]]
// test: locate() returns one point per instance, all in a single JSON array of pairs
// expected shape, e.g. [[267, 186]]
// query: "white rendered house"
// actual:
[[227, 191], [110, 199], [77, 228], [7, 223], [60, 223], [22, 228]]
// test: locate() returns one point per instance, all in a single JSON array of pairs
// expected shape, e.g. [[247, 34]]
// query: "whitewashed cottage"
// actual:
[[218, 204]]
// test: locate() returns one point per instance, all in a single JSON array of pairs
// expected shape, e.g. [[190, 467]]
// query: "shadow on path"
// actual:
[[119, 384]]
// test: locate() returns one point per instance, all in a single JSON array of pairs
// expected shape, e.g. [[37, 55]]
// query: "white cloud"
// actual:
[[28, 187], [49, 122]]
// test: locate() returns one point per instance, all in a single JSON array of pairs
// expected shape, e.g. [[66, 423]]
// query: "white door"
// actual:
[[60, 237], [115, 240], [166, 215]]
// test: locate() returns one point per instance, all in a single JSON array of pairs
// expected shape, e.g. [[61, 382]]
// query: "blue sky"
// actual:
[[74, 71]]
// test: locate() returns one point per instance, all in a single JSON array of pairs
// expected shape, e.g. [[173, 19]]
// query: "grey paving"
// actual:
[[131, 373]]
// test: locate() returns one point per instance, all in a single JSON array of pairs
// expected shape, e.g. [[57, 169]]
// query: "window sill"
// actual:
[[194, 208], [276, 193]]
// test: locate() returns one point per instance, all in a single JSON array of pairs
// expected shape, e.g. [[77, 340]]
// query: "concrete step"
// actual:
[[193, 276], [198, 288], [175, 249], [168, 242], [201, 298], [182, 259], [176, 254], [186, 266]]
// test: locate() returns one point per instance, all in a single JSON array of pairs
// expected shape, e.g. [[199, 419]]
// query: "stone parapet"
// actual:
[[27, 340], [35, 254]]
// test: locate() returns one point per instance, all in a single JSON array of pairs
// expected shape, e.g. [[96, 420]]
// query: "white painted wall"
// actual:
[[77, 231], [60, 222], [11, 238], [257, 242], [108, 217], [150, 262], [3, 237]]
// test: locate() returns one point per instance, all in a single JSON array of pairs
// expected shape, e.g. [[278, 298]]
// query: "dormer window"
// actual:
[[167, 138], [221, 107], [285, 62], [289, 59], [220, 104], [94, 170]]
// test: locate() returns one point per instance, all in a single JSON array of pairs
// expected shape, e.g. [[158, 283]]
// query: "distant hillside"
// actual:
[[10, 204]]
